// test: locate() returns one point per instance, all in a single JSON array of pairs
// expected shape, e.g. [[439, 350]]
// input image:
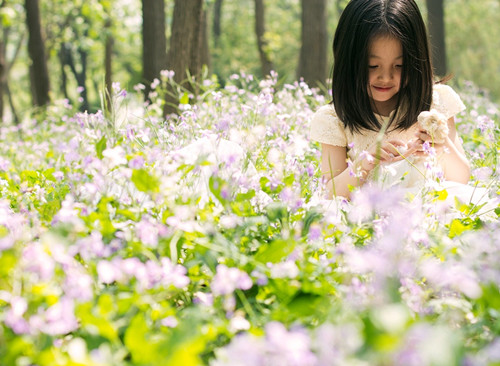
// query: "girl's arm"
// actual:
[[451, 154], [335, 171]]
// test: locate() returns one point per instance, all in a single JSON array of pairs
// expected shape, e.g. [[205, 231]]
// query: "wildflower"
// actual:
[[4, 164], [14, 316], [428, 149], [167, 74], [147, 232], [114, 156], [203, 298], [170, 321], [435, 124], [38, 261], [108, 272], [238, 322], [58, 319], [174, 274], [226, 280], [286, 269]]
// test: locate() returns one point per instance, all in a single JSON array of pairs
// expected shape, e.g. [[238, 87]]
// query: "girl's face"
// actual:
[[385, 64]]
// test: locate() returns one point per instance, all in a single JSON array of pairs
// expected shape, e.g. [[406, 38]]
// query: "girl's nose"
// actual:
[[385, 75]]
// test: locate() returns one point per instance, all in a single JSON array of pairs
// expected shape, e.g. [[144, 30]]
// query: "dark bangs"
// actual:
[[359, 24]]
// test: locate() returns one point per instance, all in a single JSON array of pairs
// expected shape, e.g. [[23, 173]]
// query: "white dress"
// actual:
[[411, 174]]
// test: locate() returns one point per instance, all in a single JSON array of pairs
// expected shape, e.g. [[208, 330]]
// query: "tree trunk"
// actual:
[[185, 57], [205, 48], [3, 73], [80, 76], [435, 20], [260, 31], [36, 49], [313, 52], [108, 63], [217, 21], [154, 41], [63, 60]]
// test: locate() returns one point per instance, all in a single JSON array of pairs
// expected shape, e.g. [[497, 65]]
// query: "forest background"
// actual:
[[87, 45]]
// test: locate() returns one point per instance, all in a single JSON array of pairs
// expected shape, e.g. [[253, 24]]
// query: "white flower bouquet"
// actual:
[[435, 124]]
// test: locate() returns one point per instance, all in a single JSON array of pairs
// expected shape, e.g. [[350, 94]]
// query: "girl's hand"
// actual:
[[423, 142], [383, 153]]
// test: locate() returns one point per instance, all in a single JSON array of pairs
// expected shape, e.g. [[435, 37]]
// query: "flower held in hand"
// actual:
[[435, 124]]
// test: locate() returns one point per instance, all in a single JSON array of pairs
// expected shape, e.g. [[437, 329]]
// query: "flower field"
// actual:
[[203, 239]]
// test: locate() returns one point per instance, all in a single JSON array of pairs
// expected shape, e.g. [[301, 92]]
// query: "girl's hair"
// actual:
[[360, 23]]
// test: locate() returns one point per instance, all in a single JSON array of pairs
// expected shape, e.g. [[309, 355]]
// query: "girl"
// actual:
[[382, 81]]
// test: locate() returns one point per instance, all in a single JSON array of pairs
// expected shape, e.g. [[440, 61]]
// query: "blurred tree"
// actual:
[[154, 41], [260, 31], [313, 52], [3, 66], [185, 53], [36, 47], [205, 48], [108, 61], [216, 28], [9, 28], [435, 20]]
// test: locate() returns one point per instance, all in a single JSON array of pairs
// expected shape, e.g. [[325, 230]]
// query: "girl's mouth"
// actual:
[[381, 89]]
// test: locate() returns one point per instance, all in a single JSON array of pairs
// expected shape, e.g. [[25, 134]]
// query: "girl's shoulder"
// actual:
[[446, 100], [327, 128]]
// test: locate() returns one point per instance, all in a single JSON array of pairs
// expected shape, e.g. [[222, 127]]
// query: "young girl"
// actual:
[[382, 81]]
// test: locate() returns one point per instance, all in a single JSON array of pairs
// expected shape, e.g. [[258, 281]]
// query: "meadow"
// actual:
[[204, 239]]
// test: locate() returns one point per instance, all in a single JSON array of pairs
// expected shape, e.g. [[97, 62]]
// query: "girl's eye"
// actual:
[[399, 66], [372, 66]]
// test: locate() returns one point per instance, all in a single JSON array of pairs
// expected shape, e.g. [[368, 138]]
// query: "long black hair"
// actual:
[[360, 23]]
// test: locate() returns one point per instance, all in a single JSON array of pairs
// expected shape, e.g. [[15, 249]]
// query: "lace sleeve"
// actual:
[[327, 128], [446, 101]]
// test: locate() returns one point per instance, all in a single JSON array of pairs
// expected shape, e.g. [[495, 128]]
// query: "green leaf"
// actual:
[[305, 304], [457, 227], [184, 99], [145, 182], [275, 251], [100, 146], [137, 341], [276, 211], [311, 217]]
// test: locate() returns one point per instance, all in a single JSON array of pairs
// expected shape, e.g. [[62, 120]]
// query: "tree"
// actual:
[[36, 48], [6, 64], [260, 31], [313, 52], [216, 27], [205, 48], [435, 20], [154, 41], [3, 69], [108, 61], [185, 53]]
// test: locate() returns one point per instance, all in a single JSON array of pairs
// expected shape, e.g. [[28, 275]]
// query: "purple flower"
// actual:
[[428, 149], [108, 272], [174, 274], [4, 164], [226, 280], [147, 232], [14, 316], [58, 319], [38, 261], [170, 321], [203, 298], [78, 284], [136, 163]]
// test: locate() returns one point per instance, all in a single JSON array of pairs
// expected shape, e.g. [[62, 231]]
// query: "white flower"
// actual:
[[435, 124]]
